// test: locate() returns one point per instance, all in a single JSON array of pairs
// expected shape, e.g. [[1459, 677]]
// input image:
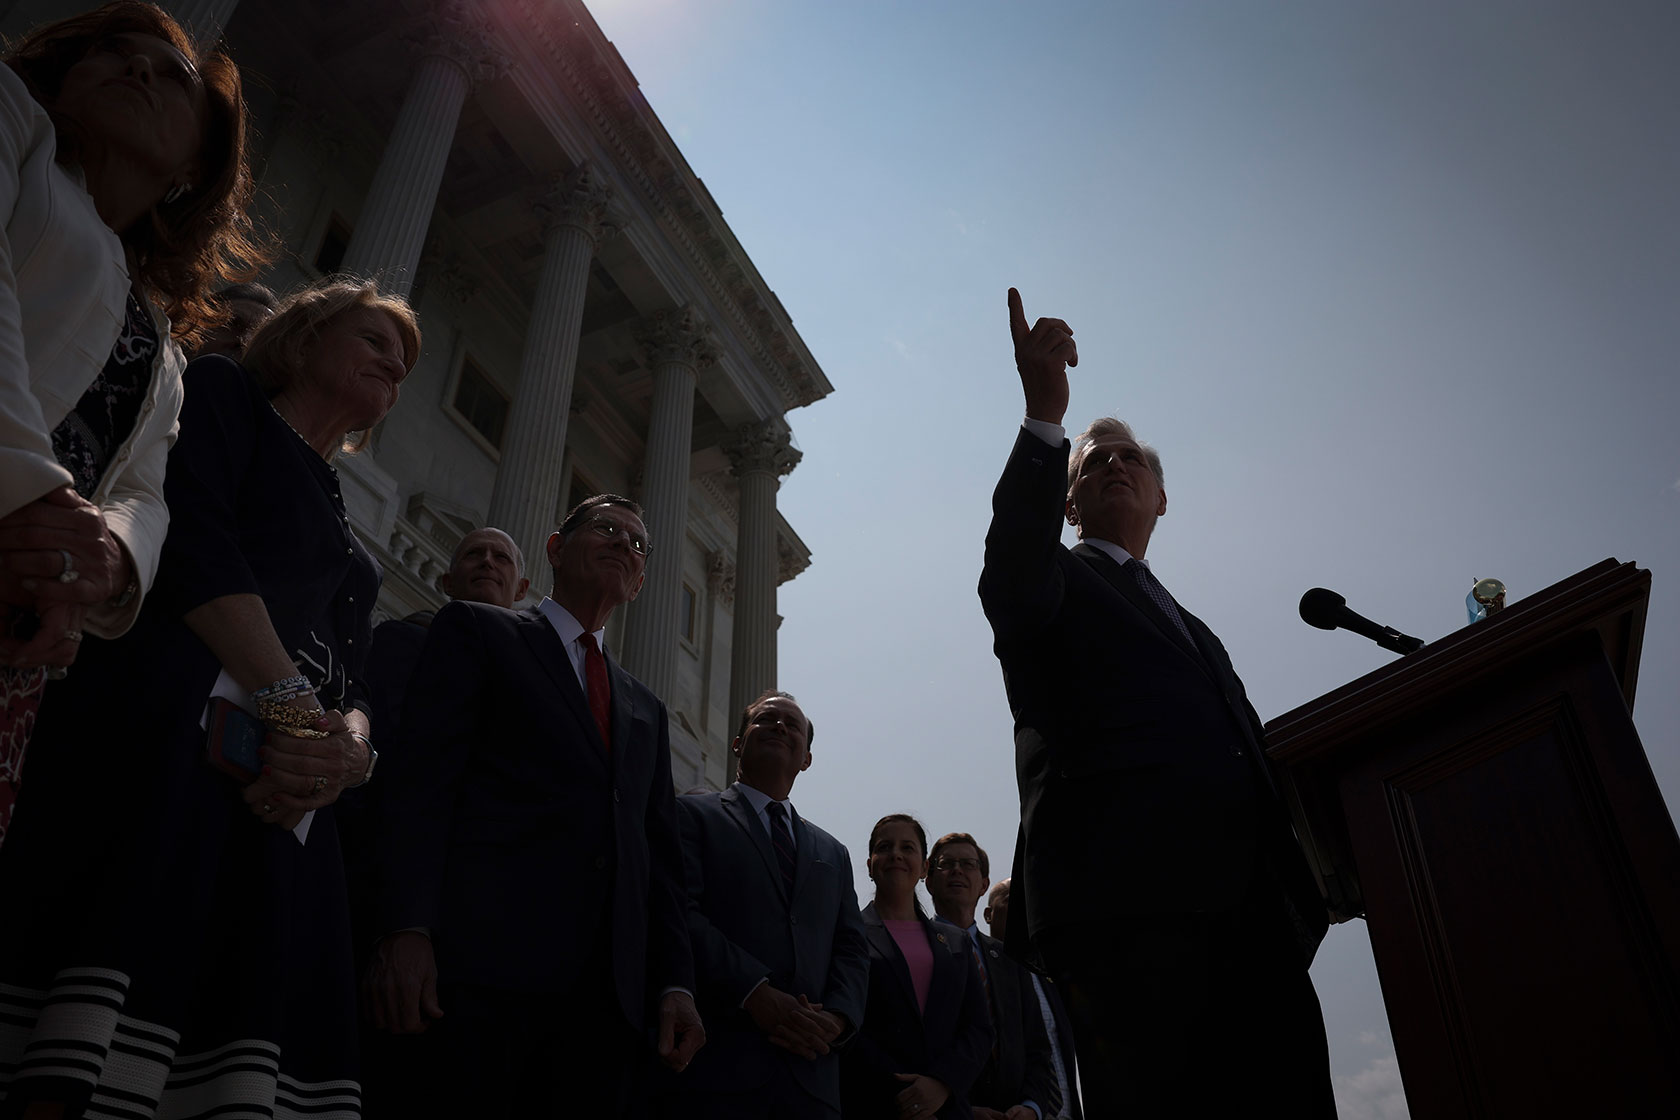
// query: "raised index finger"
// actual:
[[1018, 329]]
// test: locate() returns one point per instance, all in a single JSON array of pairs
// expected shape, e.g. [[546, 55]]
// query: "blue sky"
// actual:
[[1392, 286]]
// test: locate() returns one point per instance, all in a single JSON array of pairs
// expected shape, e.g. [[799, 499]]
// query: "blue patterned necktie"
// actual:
[[1158, 595], [781, 840]]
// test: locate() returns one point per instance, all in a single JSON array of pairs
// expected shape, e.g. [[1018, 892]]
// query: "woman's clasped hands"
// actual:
[[300, 775]]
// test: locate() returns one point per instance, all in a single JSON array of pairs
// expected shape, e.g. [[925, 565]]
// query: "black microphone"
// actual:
[[1327, 610]]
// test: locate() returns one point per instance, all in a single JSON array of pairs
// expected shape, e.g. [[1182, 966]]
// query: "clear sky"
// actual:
[[1392, 286]]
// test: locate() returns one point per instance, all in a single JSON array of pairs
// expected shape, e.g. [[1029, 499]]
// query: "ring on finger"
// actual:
[[320, 782], [72, 635], [268, 810], [68, 574]]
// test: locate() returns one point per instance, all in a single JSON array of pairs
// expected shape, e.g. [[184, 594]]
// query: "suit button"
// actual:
[[793, 921], [615, 794], [600, 863]]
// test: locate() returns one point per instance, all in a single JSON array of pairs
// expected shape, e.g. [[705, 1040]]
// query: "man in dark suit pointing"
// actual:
[[530, 867], [1156, 873], [779, 950]]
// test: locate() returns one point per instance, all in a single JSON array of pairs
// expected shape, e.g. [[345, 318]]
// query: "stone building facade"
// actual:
[[590, 321]]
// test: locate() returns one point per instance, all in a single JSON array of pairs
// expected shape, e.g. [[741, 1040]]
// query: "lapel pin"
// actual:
[[941, 937]]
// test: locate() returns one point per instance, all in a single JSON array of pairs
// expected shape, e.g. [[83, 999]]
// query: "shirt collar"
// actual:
[[759, 800], [1113, 551], [568, 627]]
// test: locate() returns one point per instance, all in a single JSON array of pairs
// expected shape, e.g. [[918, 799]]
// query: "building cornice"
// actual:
[[625, 124]]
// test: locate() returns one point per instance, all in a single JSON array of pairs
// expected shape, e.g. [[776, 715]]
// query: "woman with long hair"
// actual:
[[926, 1032], [124, 189]]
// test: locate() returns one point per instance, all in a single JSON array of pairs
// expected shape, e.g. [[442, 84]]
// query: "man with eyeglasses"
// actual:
[[1019, 1081], [530, 865], [780, 953], [1156, 875]]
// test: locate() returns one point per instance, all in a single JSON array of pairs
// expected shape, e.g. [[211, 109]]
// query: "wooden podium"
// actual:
[[1486, 805]]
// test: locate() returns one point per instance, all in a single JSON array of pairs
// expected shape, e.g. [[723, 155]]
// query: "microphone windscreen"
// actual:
[[1322, 607]]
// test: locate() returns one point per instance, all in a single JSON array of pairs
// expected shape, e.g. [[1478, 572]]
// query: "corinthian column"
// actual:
[[680, 346], [761, 454], [527, 493], [204, 19], [456, 51]]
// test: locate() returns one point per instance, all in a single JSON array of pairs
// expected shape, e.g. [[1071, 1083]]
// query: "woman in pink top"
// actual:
[[925, 1033]]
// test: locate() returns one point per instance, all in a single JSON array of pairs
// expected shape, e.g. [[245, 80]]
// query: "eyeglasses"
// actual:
[[612, 531], [955, 863]]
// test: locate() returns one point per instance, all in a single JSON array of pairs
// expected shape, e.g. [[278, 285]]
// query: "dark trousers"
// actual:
[[1180, 1015], [498, 1053]]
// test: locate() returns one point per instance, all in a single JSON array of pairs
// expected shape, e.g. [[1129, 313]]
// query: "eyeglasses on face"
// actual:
[[957, 863], [612, 531]]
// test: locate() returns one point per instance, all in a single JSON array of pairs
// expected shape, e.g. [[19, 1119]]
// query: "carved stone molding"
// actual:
[[458, 32], [582, 198], [320, 132], [675, 199], [763, 445], [445, 273], [677, 335], [720, 578], [789, 561]]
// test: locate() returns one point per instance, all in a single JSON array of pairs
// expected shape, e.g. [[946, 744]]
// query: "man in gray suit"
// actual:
[[781, 961]]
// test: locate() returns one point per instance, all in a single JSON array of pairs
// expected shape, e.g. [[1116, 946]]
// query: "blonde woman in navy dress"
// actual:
[[189, 950]]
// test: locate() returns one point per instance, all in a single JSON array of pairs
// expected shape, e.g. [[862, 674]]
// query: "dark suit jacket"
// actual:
[[1019, 1068], [392, 656], [1144, 786], [949, 1041], [744, 928], [511, 832]]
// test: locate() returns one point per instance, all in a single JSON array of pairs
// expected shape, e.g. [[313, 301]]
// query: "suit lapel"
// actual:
[[740, 810], [804, 855], [551, 654], [1103, 564], [943, 997], [882, 939], [623, 686]]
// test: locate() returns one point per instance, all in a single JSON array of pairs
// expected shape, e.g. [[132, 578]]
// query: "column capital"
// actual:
[[457, 32], [677, 335], [581, 198], [720, 577], [442, 266], [763, 445]]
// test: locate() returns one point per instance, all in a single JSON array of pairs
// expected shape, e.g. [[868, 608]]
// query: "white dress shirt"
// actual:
[[760, 802], [570, 630]]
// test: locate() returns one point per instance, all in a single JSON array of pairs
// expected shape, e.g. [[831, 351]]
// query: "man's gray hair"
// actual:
[[1111, 426], [518, 555]]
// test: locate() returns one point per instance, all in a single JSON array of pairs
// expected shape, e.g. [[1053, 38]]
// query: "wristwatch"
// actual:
[[373, 759]]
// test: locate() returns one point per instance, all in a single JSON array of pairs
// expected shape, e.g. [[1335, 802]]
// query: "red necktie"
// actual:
[[600, 694]]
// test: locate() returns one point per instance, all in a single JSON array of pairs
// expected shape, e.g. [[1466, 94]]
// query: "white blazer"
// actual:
[[63, 290]]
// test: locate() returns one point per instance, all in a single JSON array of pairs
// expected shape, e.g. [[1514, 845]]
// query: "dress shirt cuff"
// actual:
[[762, 981], [1053, 434], [1037, 1111], [676, 988]]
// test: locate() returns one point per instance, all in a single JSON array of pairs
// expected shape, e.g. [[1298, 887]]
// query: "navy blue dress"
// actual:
[[180, 956]]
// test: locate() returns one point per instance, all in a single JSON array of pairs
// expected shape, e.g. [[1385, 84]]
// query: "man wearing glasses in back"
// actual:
[[530, 870]]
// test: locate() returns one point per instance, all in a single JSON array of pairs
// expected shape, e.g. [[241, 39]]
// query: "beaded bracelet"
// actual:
[[298, 683]]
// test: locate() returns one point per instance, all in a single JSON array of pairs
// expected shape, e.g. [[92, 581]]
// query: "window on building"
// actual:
[[329, 258], [685, 617], [481, 403]]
